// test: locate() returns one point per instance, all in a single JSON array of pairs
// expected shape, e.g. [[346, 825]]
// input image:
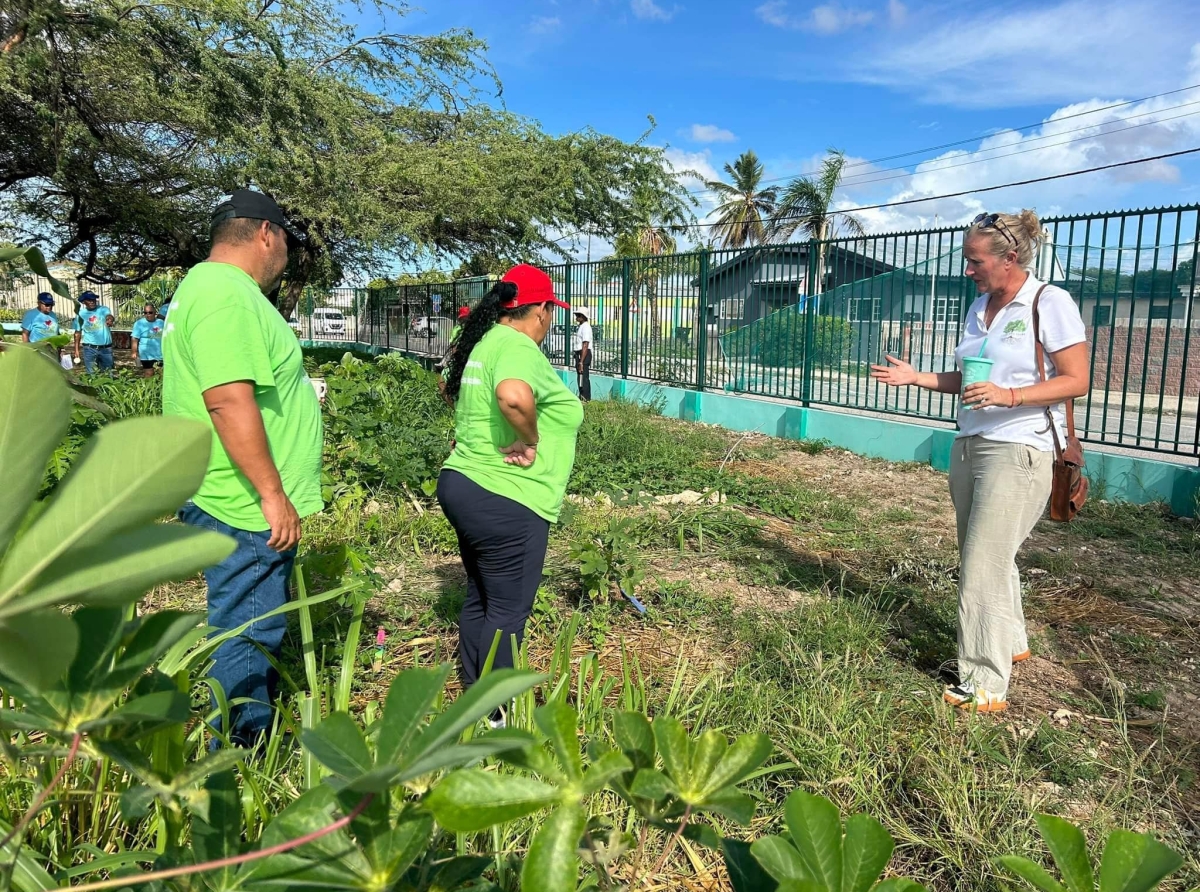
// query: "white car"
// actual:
[[431, 326], [326, 321]]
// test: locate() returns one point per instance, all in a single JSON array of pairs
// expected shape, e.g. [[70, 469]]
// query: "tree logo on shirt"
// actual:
[[1015, 330]]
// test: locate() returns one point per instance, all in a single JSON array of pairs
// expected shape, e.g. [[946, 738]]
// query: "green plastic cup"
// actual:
[[975, 369]]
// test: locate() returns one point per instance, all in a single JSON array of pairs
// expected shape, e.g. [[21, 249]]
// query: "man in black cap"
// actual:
[[231, 361]]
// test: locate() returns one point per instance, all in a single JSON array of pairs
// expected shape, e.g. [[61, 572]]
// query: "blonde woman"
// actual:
[[1002, 459]]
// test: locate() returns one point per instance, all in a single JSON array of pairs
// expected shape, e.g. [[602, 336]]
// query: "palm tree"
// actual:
[[649, 234], [745, 209], [807, 207]]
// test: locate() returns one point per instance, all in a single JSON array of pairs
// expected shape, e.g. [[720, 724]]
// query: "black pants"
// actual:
[[585, 375], [503, 547]]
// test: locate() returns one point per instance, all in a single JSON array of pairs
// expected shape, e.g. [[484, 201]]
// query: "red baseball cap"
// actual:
[[464, 312], [533, 287]]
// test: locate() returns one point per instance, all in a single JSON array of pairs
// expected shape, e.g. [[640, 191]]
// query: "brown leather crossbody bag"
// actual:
[[1069, 489]]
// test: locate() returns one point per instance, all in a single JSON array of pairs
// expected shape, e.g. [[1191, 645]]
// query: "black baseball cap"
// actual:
[[255, 206]]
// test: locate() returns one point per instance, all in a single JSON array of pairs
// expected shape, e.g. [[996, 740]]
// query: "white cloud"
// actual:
[[828, 18], [651, 11], [544, 24], [711, 133], [897, 12], [1053, 53], [1148, 128]]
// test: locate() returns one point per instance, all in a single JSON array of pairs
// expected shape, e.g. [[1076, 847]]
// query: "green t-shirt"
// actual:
[[222, 329], [481, 430]]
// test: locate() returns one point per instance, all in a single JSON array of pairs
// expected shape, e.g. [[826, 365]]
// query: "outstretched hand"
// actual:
[[519, 453], [897, 373]]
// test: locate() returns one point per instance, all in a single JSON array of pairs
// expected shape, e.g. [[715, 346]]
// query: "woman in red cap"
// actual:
[[503, 485]]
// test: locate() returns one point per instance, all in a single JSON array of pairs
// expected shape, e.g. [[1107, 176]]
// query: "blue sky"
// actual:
[[875, 78]]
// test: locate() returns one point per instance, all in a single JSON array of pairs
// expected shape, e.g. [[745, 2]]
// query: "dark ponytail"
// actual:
[[480, 321]]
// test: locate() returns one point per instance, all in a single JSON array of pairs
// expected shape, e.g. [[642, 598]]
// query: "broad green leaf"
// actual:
[[161, 707], [557, 721], [37, 648], [779, 858], [603, 770], [331, 862], [702, 834], [393, 852], [706, 753], [650, 783], [866, 851], [635, 737], [899, 884], [1032, 873], [1069, 848], [674, 747], [94, 503], [452, 874], [100, 632], [1135, 862], [732, 803], [36, 261], [339, 745], [816, 828], [28, 875], [747, 753], [135, 802], [471, 800], [410, 698], [552, 864], [745, 873], [121, 569], [216, 833], [34, 415], [153, 635], [27, 720], [494, 689], [461, 755]]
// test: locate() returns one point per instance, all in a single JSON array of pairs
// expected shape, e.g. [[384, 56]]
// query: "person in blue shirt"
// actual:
[[93, 333], [165, 308], [40, 324], [147, 340]]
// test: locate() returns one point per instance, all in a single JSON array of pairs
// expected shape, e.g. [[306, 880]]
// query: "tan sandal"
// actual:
[[964, 697]]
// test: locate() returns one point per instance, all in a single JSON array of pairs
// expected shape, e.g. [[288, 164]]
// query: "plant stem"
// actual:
[[662, 859], [41, 797], [641, 847], [232, 861]]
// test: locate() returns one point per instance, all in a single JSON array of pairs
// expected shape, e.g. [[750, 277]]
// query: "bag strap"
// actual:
[[1040, 353]]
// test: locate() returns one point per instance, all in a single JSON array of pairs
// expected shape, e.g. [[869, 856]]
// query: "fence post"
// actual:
[[570, 319], [810, 304], [308, 304], [625, 287], [702, 325]]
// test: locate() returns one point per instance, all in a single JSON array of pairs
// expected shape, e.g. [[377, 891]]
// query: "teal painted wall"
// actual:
[[1114, 477]]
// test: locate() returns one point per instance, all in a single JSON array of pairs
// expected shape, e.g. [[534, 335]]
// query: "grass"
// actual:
[[814, 600]]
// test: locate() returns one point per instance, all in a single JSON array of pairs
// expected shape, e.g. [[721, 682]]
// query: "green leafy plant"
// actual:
[[609, 560], [1131, 862], [818, 853]]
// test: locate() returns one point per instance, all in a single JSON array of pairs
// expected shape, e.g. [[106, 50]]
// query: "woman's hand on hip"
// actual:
[[897, 373], [519, 453], [986, 395]]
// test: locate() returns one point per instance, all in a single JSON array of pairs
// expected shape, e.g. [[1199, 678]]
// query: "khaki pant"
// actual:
[[999, 491]]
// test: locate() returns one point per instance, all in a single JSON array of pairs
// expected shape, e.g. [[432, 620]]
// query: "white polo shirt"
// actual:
[[1010, 347], [583, 335]]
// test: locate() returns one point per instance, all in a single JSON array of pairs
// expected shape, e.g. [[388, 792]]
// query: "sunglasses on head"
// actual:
[[994, 221]]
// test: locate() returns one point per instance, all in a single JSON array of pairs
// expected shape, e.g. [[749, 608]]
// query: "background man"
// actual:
[[40, 324], [581, 345], [93, 331], [231, 361], [147, 340]]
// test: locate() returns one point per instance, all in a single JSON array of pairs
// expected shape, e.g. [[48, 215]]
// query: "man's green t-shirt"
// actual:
[[481, 429], [222, 329]]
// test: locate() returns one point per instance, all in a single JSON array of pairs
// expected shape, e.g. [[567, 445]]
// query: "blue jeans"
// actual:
[[250, 582], [97, 357]]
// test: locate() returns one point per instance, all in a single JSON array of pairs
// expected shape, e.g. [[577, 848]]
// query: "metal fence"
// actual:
[[804, 321]]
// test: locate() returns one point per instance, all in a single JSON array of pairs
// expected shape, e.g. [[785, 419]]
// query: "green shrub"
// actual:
[[781, 341]]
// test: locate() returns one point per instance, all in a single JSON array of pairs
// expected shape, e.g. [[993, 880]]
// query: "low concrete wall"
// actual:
[[1118, 477]]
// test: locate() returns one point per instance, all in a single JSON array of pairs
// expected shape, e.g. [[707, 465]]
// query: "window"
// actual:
[[1163, 310], [1101, 316], [864, 309], [945, 310]]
